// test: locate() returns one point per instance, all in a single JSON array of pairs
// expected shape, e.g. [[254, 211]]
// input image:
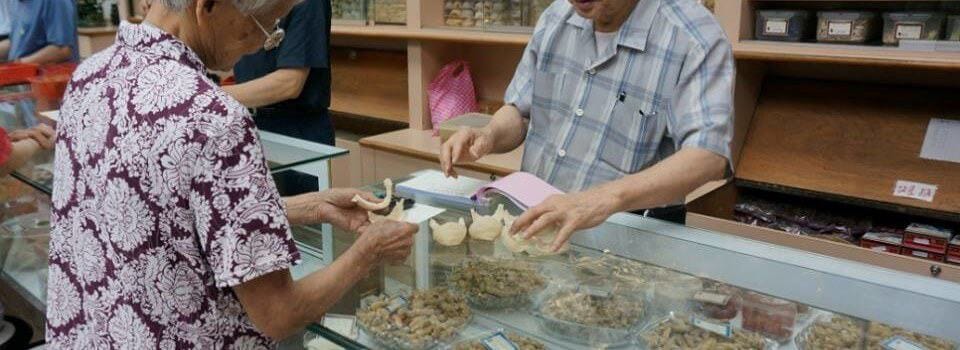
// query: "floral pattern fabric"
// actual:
[[162, 202]]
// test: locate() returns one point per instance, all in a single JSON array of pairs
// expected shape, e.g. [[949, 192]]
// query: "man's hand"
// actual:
[[567, 212], [43, 134], [467, 145], [387, 240]]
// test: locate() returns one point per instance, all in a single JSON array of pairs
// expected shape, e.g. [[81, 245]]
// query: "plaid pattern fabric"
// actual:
[[599, 116]]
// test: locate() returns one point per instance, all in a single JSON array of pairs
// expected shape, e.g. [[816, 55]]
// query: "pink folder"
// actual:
[[524, 189]]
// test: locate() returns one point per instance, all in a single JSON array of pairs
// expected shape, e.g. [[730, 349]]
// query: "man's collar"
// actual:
[[634, 31]]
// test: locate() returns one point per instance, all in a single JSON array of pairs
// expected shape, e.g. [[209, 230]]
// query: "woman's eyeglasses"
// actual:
[[274, 37]]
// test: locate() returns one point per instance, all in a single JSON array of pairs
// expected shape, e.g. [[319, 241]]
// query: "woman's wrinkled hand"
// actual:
[[388, 241]]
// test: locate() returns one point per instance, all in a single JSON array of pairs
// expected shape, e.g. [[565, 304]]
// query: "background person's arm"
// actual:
[[4, 50], [281, 85], [49, 54]]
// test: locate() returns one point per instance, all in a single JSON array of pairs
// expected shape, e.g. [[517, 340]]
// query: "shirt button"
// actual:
[[562, 153], [579, 112]]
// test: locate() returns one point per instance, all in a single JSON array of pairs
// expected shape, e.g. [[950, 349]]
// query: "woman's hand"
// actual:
[[333, 206], [387, 240], [567, 212], [43, 134], [467, 145]]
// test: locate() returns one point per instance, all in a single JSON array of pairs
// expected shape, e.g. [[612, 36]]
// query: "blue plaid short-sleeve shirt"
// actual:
[[598, 116]]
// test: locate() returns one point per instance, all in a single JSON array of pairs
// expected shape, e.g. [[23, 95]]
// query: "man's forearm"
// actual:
[[507, 129], [49, 54], [281, 85], [665, 182]]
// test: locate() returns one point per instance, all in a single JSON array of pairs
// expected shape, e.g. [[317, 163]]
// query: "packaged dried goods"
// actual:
[[497, 284], [879, 335], [678, 332], [848, 27], [390, 11], [927, 238], [350, 10], [622, 270], [783, 25], [832, 332], [880, 241], [953, 28], [421, 320], [772, 317], [718, 301], [911, 26]]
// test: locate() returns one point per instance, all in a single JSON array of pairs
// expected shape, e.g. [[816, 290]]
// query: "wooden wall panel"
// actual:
[[370, 83]]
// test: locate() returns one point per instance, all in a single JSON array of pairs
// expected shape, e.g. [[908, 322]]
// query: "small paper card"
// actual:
[[498, 341]]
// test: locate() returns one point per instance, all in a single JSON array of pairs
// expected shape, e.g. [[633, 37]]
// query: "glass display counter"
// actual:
[[634, 283]]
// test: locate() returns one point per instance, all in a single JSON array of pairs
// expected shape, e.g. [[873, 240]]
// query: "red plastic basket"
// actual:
[[48, 90], [58, 69], [16, 73]]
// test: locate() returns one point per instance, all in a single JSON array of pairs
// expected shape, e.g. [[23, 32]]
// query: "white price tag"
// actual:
[[915, 190], [921, 254], [898, 343], [498, 342], [343, 324], [839, 28], [711, 298], [723, 329], [921, 241], [879, 248], [909, 31], [775, 27]]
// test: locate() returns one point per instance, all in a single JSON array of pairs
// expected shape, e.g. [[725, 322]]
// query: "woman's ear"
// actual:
[[205, 9]]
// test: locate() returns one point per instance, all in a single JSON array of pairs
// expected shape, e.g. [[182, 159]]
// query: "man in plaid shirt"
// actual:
[[626, 105]]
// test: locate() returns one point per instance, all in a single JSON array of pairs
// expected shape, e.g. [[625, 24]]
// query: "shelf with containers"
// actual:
[[622, 284]]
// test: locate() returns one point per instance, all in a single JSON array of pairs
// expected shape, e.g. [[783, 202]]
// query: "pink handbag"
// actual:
[[451, 93]]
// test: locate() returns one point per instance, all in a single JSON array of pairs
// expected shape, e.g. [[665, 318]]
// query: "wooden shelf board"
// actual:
[[438, 34], [848, 139], [108, 30], [423, 145], [845, 54]]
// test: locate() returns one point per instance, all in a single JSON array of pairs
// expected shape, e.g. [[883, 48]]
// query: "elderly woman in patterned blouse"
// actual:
[[168, 230]]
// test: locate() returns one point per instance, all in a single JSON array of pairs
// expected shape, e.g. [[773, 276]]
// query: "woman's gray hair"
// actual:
[[245, 6]]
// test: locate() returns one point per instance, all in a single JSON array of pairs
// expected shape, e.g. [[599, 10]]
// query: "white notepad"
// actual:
[[434, 184]]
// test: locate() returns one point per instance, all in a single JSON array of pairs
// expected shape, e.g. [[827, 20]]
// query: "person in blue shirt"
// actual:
[[42, 32], [288, 85]]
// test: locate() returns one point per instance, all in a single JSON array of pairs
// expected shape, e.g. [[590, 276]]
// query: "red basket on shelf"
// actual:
[[16, 73], [48, 90]]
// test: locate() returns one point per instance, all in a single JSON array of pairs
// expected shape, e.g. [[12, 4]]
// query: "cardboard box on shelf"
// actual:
[[916, 253], [889, 242]]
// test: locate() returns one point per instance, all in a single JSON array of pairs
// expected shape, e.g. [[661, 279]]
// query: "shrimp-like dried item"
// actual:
[[370, 206], [397, 214], [449, 234]]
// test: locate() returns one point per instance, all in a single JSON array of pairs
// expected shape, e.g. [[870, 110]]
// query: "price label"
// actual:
[[597, 292], [719, 328], [839, 28], [498, 342], [343, 324], [775, 27], [909, 31], [880, 248], [396, 304], [921, 241], [920, 254], [914, 190], [898, 343], [711, 298]]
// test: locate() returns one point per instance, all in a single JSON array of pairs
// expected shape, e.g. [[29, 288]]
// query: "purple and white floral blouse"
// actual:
[[162, 202]]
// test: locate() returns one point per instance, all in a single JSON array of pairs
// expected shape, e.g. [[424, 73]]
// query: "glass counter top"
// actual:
[[775, 293]]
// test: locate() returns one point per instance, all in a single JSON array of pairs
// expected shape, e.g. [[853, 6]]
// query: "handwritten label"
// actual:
[[775, 27], [898, 343], [839, 28], [915, 190], [711, 298], [920, 254], [723, 329], [909, 31], [498, 342], [921, 241]]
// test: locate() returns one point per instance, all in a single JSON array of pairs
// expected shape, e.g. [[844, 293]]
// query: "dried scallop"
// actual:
[[449, 234], [486, 227]]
